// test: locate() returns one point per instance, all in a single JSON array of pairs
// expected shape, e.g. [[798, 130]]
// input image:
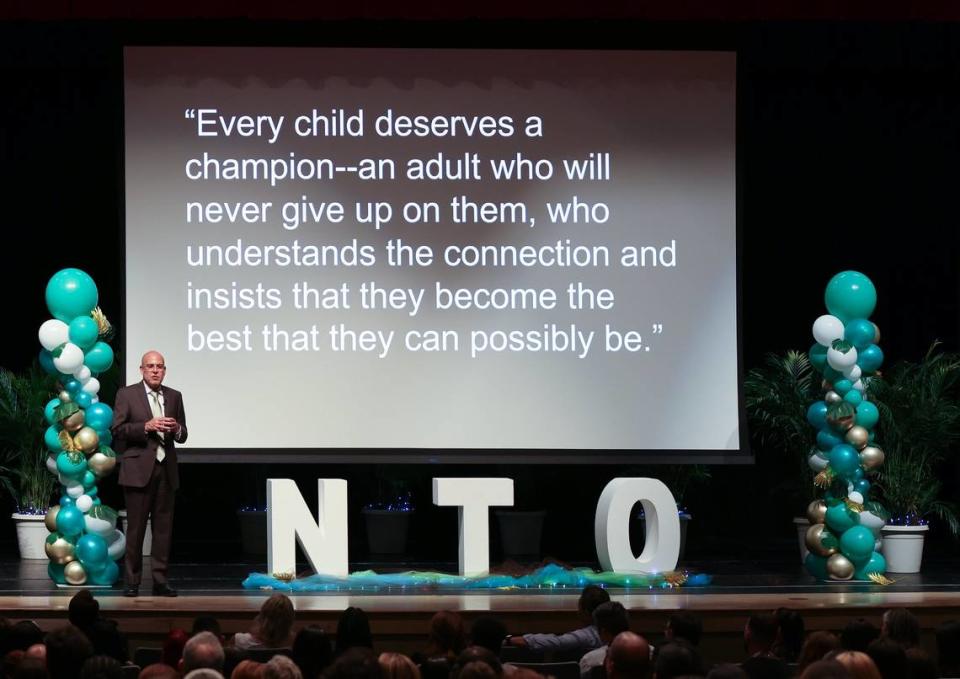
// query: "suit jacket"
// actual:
[[137, 449]]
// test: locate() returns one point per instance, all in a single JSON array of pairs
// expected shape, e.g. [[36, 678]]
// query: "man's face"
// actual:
[[153, 369]]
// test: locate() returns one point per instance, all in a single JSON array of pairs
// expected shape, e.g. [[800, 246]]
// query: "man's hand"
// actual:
[[161, 425]]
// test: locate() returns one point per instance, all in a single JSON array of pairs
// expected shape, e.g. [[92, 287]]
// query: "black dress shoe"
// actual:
[[163, 589], [131, 591]]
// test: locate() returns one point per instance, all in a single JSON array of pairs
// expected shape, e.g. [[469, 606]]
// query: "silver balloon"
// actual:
[[857, 436], [817, 462], [839, 567], [832, 397], [101, 464], [871, 457]]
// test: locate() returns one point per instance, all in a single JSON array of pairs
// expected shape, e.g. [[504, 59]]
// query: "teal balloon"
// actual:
[[859, 332], [49, 410], [70, 521], [71, 467], [92, 551], [831, 375], [92, 491], [867, 415], [107, 575], [84, 400], [840, 519], [72, 386], [99, 358], [842, 386], [98, 416], [51, 439], [857, 474], [46, 362], [55, 571], [817, 414], [106, 437], [66, 500], [857, 543], [816, 566], [850, 295], [870, 358], [862, 486], [83, 331], [89, 479], [827, 440], [875, 564], [844, 459], [71, 293], [818, 357], [853, 397]]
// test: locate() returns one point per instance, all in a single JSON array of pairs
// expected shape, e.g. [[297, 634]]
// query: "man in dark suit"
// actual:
[[148, 422]]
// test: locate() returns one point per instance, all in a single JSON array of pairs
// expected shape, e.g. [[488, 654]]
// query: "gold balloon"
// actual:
[[817, 512], [876, 332], [813, 542], [65, 396], [857, 437], [832, 397], [87, 440], [75, 575], [871, 457], [101, 465], [50, 520], [839, 567], [60, 551], [74, 422], [826, 386]]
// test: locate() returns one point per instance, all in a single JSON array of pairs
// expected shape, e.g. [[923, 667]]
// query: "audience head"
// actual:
[[684, 625], [948, 648], [676, 659], [206, 623], [727, 671], [25, 634], [760, 633], [610, 619], [203, 673], [489, 632], [37, 652], [247, 669], [858, 634], [232, 657], [447, 636], [858, 665], [281, 667], [397, 666], [311, 651], [476, 670], [274, 621], [591, 597], [791, 633], [817, 645], [10, 661], [67, 649], [173, 647], [825, 669], [920, 665], [358, 662], [628, 657], [107, 639], [202, 650], [101, 667], [901, 626], [159, 670], [353, 629], [473, 654], [30, 668], [889, 657], [83, 610]]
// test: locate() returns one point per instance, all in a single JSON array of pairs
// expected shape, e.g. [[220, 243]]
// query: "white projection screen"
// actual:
[[401, 254]]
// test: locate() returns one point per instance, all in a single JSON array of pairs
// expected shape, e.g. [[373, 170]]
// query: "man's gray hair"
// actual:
[[203, 673], [281, 667], [203, 650]]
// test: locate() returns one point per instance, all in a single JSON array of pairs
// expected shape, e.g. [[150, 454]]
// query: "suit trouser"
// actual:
[[154, 501]]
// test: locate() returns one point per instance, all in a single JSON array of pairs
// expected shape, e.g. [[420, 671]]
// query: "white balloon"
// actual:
[[52, 465], [92, 386], [53, 333], [856, 496], [101, 527], [74, 489], [70, 359], [116, 545], [878, 545], [826, 329], [839, 360], [83, 374], [860, 386], [64, 480], [84, 503], [817, 462], [852, 373], [872, 521], [95, 399]]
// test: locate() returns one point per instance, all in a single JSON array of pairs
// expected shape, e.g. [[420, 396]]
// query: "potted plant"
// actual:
[[26, 477], [777, 395], [919, 406]]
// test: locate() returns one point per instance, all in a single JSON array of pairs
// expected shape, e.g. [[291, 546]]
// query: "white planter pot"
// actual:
[[31, 536], [903, 547], [147, 536], [802, 525]]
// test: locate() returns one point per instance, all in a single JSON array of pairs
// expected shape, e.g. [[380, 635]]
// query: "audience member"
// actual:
[[311, 651], [476, 654], [727, 671], [67, 649], [825, 669], [759, 636], [790, 635], [628, 657], [207, 623], [447, 636], [901, 626], [857, 635], [476, 670], [31, 668], [920, 665], [203, 673], [10, 661], [101, 667], [159, 670], [353, 630], [889, 657], [397, 666], [580, 640], [83, 610], [272, 626], [948, 648], [231, 658], [202, 650], [24, 634], [173, 647], [676, 659], [281, 667], [817, 645], [489, 632], [37, 652], [247, 669], [357, 662], [858, 665], [610, 619], [684, 625]]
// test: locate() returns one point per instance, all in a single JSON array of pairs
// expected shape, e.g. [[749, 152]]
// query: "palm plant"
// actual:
[[777, 395], [919, 406], [24, 474]]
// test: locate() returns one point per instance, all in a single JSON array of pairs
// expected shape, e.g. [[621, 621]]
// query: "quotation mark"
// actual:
[[190, 113], [658, 328]]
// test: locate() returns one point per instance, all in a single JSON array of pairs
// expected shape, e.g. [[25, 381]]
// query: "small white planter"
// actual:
[[31, 535], [903, 547], [802, 525], [147, 536]]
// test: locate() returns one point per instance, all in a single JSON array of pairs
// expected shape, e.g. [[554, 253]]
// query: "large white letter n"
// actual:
[[289, 520]]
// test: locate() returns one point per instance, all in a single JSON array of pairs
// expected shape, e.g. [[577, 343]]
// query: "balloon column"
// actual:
[[844, 534], [84, 542]]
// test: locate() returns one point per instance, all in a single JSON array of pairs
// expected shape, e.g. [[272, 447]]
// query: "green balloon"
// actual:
[[816, 566], [840, 519], [71, 293], [55, 571], [867, 415], [84, 332], [853, 397], [850, 295], [818, 357], [875, 564], [857, 544], [99, 358]]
